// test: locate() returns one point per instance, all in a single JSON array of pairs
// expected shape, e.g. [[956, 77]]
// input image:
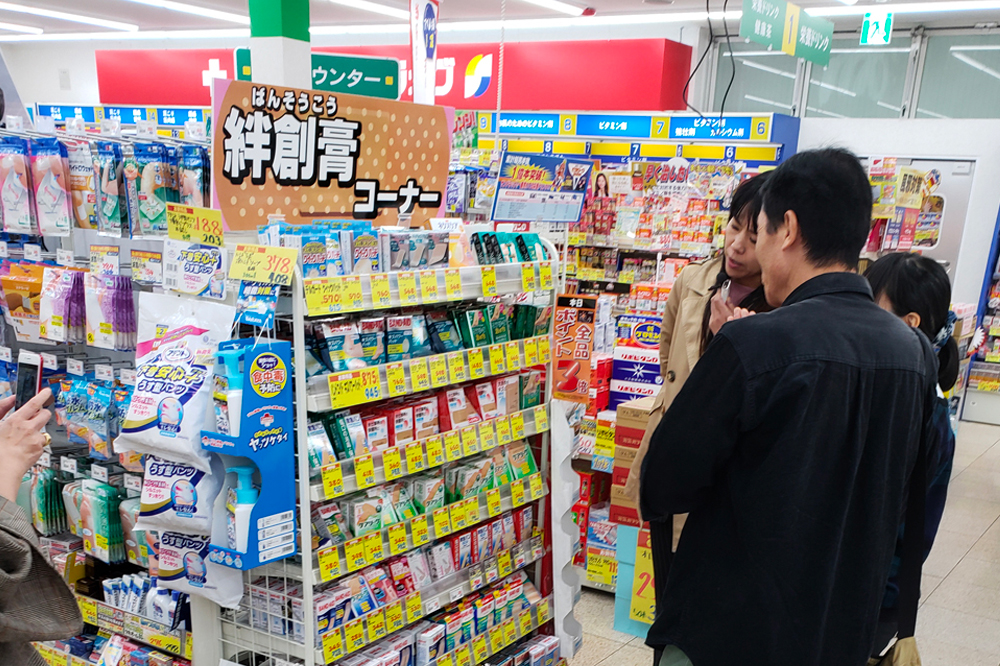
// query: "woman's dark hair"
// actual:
[[913, 283], [745, 205]]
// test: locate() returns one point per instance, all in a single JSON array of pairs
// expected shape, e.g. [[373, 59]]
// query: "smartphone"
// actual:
[[29, 377]]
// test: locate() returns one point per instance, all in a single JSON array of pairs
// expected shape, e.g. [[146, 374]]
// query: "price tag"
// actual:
[[487, 435], [472, 511], [352, 298], [397, 538], [414, 457], [453, 284], [496, 639], [45, 460], [528, 278], [497, 366], [127, 376], [489, 276], [537, 488], [541, 419], [455, 594], [3, 249], [476, 579], [503, 430], [354, 387], [329, 564], [544, 349], [524, 622], [364, 471], [88, 609], [7, 355], [333, 645], [479, 649], [513, 355], [104, 373], [435, 451], [519, 557], [517, 425], [530, 352], [67, 464], [442, 523], [452, 445], [456, 367], [463, 657], [354, 635], [99, 472], [543, 612], [49, 361], [470, 440], [429, 287], [394, 616], [503, 563], [354, 551], [33, 252], [323, 295], [376, 625], [420, 377], [457, 512], [396, 378], [263, 263], [414, 607], [418, 530], [333, 481], [509, 633], [439, 371], [374, 547], [381, 293], [104, 259], [476, 369], [392, 463], [191, 224], [492, 575], [517, 492], [407, 282], [545, 272], [64, 257], [493, 502], [133, 482], [446, 660]]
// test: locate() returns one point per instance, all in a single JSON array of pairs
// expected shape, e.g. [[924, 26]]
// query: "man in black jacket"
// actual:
[[791, 445]]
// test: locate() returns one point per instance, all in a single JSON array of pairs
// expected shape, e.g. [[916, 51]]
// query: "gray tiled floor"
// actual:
[[959, 621]]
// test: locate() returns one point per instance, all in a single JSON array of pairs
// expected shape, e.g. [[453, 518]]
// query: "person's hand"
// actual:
[[721, 312], [21, 439], [741, 313]]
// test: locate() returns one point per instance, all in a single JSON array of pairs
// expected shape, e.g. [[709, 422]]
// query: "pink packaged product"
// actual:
[[425, 418], [400, 425], [484, 399], [524, 523], [420, 568], [441, 561], [376, 431], [402, 579], [381, 585], [455, 411]]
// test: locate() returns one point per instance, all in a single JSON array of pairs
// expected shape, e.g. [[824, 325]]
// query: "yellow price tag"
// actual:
[[263, 263], [394, 617], [524, 621], [476, 369], [496, 639], [333, 481], [429, 287], [452, 445], [487, 435], [364, 471], [414, 607], [543, 612], [374, 547], [407, 282], [191, 224], [497, 365], [351, 297], [513, 355], [503, 430], [493, 502], [442, 523], [396, 379], [333, 645], [457, 512], [397, 538], [489, 275], [470, 441], [453, 284], [463, 657], [420, 378], [446, 660], [472, 511], [503, 563], [354, 387], [537, 489], [541, 419], [418, 530], [435, 451], [517, 425], [354, 552], [479, 649], [323, 295], [439, 371], [544, 349], [414, 457], [329, 564], [456, 367], [376, 625], [88, 609], [528, 277], [517, 492], [545, 272], [354, 635], [381, 292], [509, 633], [392, 463], [530, 352]]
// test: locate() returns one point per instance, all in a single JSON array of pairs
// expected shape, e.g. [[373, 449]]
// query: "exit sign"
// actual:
[[876, 30]]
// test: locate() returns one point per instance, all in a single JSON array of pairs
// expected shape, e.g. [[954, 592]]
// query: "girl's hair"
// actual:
[[746, 204], [913, 283]]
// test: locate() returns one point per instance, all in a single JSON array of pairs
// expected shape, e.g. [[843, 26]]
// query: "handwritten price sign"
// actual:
[[190, 224], [261, 263], [354, 387]]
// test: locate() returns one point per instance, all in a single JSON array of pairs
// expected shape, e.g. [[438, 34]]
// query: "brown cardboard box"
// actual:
[[623, 510], [631, 420]]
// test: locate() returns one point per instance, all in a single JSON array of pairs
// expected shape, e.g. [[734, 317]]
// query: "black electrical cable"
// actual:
[[711, 38], [732, 62]]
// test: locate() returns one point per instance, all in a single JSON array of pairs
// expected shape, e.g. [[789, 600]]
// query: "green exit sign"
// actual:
[[876, 30]]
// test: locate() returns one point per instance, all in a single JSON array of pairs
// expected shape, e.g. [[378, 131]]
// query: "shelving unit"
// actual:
[[136, 627]]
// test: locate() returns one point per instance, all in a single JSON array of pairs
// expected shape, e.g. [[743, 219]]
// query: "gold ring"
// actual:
[[48, 438]]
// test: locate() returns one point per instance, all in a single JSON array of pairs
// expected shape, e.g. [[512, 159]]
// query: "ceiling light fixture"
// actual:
[[909, 8], [195, 10], [972, 62], [235, 33], [933, 114], [66, 16], [557, 6], [771, 102], [831, 114], [765, 68], [842, 91], [375, 7], [14, 27]]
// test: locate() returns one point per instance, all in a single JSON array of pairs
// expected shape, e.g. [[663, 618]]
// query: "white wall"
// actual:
[[977, 140]]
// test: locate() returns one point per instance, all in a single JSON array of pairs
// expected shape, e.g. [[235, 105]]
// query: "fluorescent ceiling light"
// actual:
[[972, 62], [771, 102], [240, 33], [867, 51], [824, 113], [897, 109], [842, 91], [932, 114], [909, 8], [394, 12], [976, 47], [66, 16], [14, 27], [196, 10], [563, 7], [765, 68]]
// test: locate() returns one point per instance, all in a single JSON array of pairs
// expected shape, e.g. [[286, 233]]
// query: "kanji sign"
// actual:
[[782, 25], [574, 345], [357, 75]]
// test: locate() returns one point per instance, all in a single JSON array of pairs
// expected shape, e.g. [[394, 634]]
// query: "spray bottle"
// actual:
[[239, 504], [228, 392]]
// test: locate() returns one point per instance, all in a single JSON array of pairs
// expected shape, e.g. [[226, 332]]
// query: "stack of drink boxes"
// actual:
[[630, 424], [595, 491], [635, 370]]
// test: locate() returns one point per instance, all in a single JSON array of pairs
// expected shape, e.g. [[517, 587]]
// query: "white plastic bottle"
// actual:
[[239, 504]]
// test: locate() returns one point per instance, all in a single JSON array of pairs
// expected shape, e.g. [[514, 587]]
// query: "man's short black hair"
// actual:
[[829, 192]]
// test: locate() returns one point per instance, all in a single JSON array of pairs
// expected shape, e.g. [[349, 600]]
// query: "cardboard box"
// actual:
[[623, 511], [633, 416]]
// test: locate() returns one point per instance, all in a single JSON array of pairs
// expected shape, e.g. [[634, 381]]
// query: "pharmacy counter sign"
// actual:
[[356, 75], [782, 25]]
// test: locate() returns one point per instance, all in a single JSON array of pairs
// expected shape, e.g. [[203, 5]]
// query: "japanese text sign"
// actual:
[[537, 187], [357, 75], [574, 345], [781, 25]]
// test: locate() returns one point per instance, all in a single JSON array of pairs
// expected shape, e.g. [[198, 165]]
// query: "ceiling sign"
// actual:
[[781, 25]]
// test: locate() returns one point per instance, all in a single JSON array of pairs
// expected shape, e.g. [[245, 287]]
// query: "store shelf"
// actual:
[[378, 291], [130, 625], [425, 373], [57, 657], [333, 562], [592, 584], [248, 638], [341, 478]]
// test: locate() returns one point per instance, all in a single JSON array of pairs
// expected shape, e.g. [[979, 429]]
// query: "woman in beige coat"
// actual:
[[703, 298]]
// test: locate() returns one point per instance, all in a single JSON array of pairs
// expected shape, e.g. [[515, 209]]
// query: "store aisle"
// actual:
[[959, 621]]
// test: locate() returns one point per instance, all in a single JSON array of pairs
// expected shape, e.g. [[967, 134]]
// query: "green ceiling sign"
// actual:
[[373, 77], [782, 25]]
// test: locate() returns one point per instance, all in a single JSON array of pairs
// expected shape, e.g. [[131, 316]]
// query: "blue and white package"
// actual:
[[639, 332], [184, 566], [179, 497], [257, 303]]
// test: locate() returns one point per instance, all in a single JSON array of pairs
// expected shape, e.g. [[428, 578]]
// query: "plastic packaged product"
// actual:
[[508, 394], [364, 514], [338, 246], [376, 432], [425, 418], [499, 315], [455, 411], [461, 550], [136, 549], [402, 578], [184, 566], [381, 585], [475, 328], [50, 177], [257, 303], [443, 332], [365, 252], [101, 524], [15, 186], [193, 176], [98, 422], [179, 497], [112, 215], [531, 388], [343, 344], [320, 450], [428, 492], [521, 459], [146, 179], [441, 561], [313, 256], [419, 568], [400, 425], [484, 399], [407, 337], [57, 284], [177, 338], [430, 642], [399, 497], [396, 248], [362, 599], [372, 332], [81, 183]]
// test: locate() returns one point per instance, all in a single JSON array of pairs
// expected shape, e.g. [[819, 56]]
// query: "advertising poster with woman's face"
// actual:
[[600, 188]]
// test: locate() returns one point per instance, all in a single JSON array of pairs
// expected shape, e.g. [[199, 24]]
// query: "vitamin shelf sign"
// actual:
[[307, 155]]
